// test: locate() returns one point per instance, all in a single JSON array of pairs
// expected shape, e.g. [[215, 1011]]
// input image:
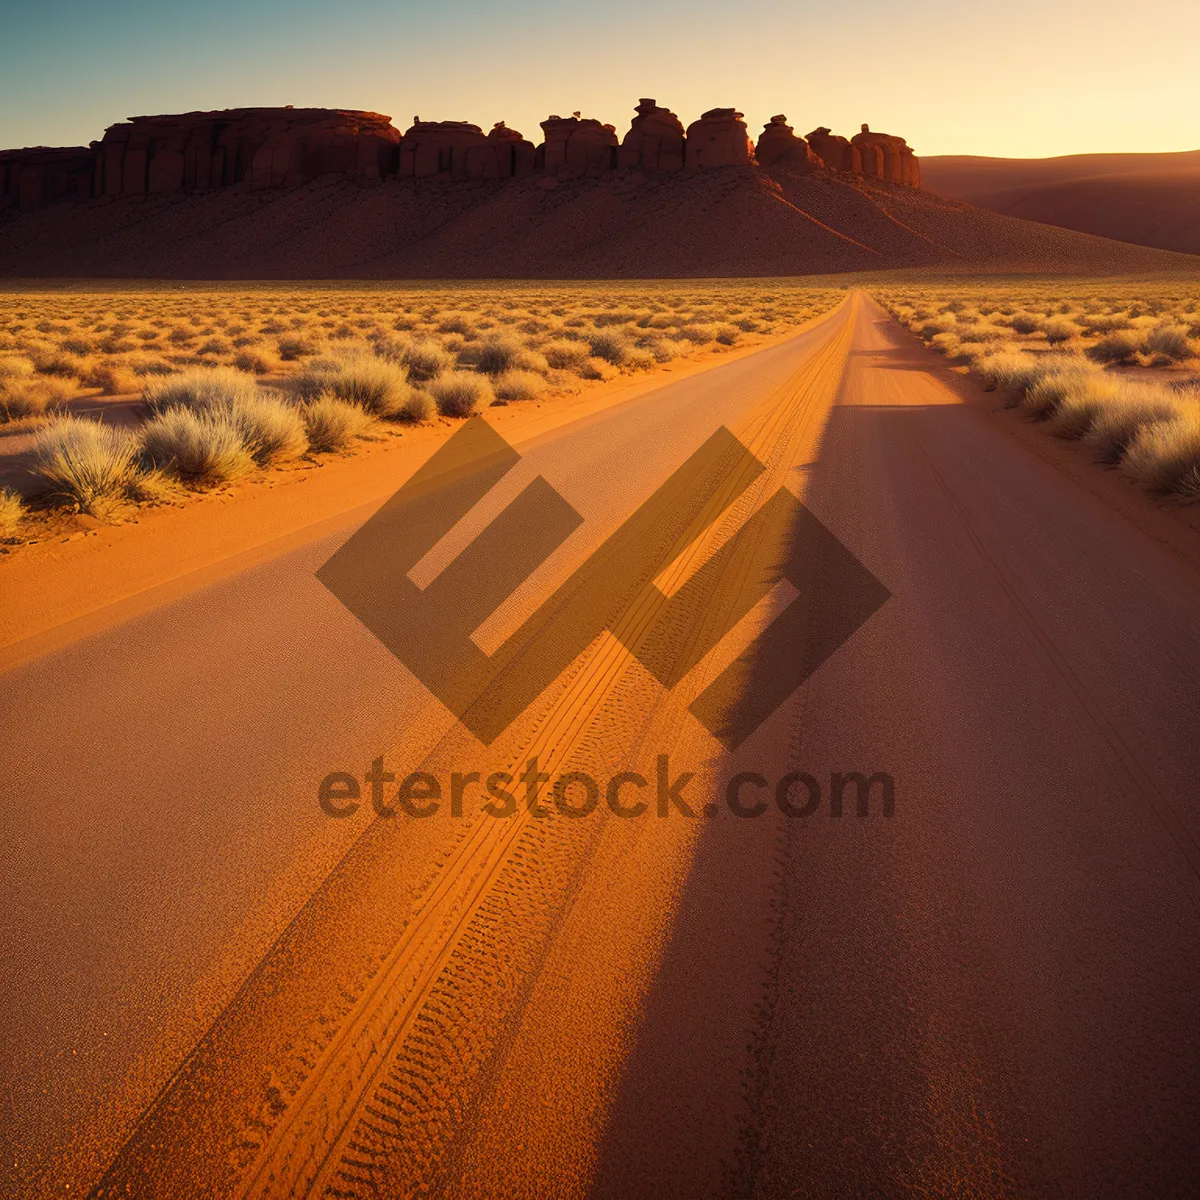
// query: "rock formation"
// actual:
[[285, 147], [655, 141], [837, 153], [460, 150], [41, 175], [577, 146], [719, 139], [886, 157], [267, 147], [778, 145]]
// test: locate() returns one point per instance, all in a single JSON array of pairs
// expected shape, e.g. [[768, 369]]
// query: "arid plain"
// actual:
[[690, 693]]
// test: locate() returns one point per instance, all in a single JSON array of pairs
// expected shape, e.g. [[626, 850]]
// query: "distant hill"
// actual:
[[1147, 199], [728, 221]]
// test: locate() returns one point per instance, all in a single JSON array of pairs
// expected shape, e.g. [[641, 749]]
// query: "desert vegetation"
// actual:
[[217, 384], [1115, 367]]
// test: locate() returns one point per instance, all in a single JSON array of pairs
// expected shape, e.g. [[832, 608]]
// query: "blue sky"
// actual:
[[1025, 78]]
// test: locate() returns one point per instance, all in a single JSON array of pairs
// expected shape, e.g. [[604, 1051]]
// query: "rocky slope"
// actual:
[[625, 223]]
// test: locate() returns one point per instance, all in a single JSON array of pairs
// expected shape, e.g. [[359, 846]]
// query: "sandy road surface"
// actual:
[[214, 989]]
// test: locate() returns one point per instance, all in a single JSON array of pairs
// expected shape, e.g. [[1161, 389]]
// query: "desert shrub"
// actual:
[[457, 322], [1118, 347], [662, 349], [200, 388], [332, 424], [15, 366], [1008, 370], [1082, 403], [1025, 323], [90, 463], [460, 393], [1133, 406], [1170, 341], [597, 368], [271, 428], [699, 332], [566, 354], [375, 384], [518, 385], [11, 512], [427, 360], [728, 335], [113, 379], [639, 359], [254, 362], [610, 345], [34, 396], [1165, 456], [1059, 330], [202, 446], [295, 345], [499, 354], [1046, 395]]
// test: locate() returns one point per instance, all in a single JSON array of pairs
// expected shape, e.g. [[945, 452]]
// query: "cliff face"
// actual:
[[286, 147]]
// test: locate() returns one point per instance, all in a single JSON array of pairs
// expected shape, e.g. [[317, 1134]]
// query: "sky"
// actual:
[[1022, 78]]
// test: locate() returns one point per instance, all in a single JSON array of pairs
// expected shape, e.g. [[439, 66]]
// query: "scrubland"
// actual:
[[1116, 367], [214, 385]]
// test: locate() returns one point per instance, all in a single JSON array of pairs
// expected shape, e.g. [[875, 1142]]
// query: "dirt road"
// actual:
[[213, 988]]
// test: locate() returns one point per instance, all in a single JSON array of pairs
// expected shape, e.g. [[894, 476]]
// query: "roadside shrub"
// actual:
[[11, 512], [1082, 403], [272, 430], [518, 385], [566, 354], [1133, 406], [1008, 370], [201, 446], [202, 387], [91, 464], [610, 345], [332, 424], [460, 393], [1165, 456], [1047, 394], [698, 333], [728, 335]]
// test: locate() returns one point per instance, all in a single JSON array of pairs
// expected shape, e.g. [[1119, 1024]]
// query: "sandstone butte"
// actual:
[[284, 147]]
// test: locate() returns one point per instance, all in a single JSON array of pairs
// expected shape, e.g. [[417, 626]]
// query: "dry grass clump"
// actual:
[[1105, 389], [202, 388], [461, 393], [518, 385], [92, 465], [11, 512], [332, 424], [1164, 455], [201, 447]]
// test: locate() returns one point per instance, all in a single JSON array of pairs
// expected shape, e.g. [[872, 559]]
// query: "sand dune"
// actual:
[[724, 222], [1148, 199]]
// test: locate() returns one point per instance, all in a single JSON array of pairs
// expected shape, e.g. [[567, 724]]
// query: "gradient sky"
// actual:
[[1017, 78]]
